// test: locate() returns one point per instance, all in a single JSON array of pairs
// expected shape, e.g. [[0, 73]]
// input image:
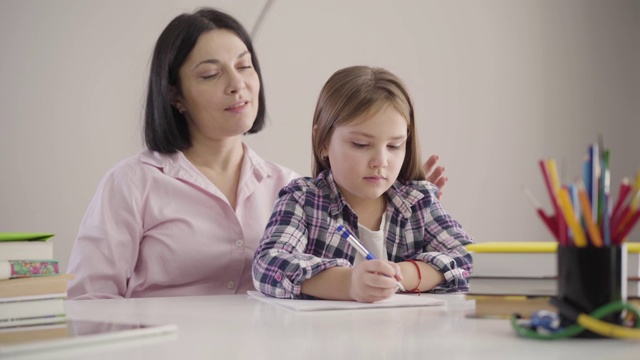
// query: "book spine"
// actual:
[[12, 269]]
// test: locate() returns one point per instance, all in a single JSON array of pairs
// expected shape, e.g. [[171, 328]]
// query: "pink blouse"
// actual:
[[158, 227]]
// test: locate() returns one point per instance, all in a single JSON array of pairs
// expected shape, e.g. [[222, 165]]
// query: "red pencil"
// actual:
[[561, 226], [628, 227], [625, 190], [625, 216], [549, 221]]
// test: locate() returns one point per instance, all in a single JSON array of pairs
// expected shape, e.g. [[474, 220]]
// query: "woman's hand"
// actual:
[[374, 280], [435, 174]]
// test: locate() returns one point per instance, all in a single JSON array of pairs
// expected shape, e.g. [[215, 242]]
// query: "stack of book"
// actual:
[[32, 290], [520, 277], [504, 306]]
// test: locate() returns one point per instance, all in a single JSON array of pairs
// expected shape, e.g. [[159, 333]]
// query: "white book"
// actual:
[[633, 265], [31, 308], [61, 295], [44, 320], [397, 300], [26, 250], [488, 263], [496, 264], [513, 286], [533, 287], [633, 288]]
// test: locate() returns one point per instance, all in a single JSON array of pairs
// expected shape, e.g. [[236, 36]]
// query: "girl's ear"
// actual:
[[174, 99], [323, 152]]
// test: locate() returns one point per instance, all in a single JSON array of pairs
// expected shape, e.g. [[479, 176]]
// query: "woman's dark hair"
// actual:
[[165, 128]]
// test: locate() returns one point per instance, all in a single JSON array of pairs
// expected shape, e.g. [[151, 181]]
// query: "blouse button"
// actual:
[[279, 277], [239, 243], [230, 285]]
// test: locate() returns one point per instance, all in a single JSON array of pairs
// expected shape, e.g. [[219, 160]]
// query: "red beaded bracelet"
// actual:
[[417, 288]]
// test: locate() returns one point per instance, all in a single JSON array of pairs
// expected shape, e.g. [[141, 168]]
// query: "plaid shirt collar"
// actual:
[[400, 196]]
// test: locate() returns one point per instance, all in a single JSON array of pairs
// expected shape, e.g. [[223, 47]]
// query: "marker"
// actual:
[[345, 234]]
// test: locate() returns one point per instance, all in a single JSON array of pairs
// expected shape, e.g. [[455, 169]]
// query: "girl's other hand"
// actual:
[[435, 174]]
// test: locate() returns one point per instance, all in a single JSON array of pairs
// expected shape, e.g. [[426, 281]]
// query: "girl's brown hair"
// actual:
[[355, 91]]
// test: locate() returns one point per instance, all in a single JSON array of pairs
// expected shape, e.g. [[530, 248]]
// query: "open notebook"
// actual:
[[397, 300], [77, 335]]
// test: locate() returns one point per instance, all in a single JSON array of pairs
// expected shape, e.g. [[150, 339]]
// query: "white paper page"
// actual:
[[397, 300]]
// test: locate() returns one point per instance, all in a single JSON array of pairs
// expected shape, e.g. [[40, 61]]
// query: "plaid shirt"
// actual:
[[301, 240]]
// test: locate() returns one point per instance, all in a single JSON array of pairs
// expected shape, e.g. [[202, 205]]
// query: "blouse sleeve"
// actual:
[[445, 249], [104, 253], [282, 261]]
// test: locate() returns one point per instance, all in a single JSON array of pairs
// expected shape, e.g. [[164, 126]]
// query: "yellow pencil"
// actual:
[[636, 190], [555, 184], [569, 216], [553, 174]]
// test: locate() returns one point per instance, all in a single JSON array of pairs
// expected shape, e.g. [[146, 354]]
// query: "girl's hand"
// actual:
[[374, 280], [435, 174]]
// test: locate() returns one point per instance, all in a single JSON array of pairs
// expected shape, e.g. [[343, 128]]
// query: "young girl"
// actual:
[[369, 178]]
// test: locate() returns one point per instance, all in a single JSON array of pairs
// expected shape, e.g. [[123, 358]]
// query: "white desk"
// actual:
[[239, 327]]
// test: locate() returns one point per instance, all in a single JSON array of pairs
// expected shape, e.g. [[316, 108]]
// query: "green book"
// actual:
[[23, 236]]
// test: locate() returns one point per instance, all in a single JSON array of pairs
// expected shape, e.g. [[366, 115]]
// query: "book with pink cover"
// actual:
[[13, 269]]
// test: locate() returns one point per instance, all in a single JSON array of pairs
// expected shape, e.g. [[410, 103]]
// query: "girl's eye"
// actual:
[[394, 147], [359, 146], [246, 67], [209, 76]]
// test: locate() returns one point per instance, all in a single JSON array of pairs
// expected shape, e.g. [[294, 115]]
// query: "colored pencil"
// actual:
[[565, 205], [592, 228]]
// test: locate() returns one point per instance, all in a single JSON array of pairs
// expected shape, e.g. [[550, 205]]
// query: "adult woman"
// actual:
[[184, 216]]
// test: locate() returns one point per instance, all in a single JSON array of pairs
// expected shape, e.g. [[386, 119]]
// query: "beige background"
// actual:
[[498, 84]]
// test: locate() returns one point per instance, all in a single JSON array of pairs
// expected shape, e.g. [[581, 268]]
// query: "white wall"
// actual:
[[498, 84]]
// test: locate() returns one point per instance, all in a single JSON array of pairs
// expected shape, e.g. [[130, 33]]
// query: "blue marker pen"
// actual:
[[345, 234]]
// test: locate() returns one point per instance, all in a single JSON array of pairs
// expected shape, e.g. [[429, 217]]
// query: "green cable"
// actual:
[[576, 329]]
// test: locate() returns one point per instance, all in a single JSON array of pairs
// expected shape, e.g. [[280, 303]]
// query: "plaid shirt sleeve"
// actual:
[[445, 247], [286, 255]]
